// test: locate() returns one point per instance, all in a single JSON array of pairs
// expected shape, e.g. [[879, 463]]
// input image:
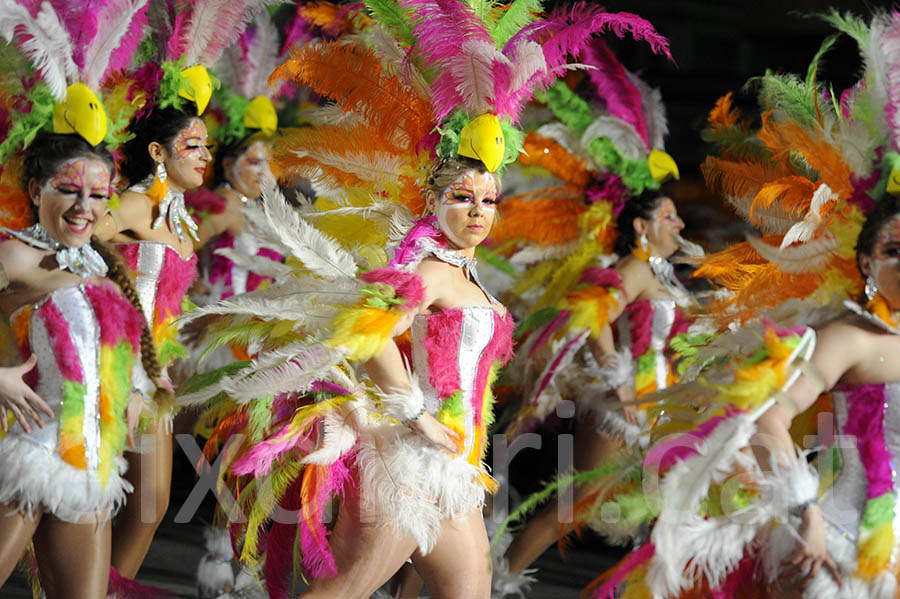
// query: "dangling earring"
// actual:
[[161, 171], [871, 288], [158, 188], [645, 243]]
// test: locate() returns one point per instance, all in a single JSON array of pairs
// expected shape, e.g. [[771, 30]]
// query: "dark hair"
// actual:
[[161, 125], [885, 209], [49, 151], [232, 149], [641, 206]]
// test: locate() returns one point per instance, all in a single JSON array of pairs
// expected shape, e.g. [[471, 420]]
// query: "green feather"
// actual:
[[849, 24], [481, 8], [519, 14], [202, 381], [534, 320], [814, 64], [394, 18]]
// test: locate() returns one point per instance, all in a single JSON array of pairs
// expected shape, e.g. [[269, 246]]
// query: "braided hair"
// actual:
[[119, 275]]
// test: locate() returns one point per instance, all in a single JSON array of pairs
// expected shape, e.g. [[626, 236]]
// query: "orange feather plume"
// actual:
[[723, 116], [792, 193], [785, 138], [546, 217], [352, 76], [16, 210], [549, 155]]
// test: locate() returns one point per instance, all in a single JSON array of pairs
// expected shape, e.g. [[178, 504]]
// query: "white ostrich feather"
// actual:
[[472, 69], [394, 59], [533, 254], [622, 135], [49, 48], [654, 112], [257, 264], [562, 135], [216, 25], [261, 59], [527, 59], [330, 114], [318, 252], [337, 438], [771, 220], [376, 167], [112, 25], [297, 374], [803, 231], [808, 257]]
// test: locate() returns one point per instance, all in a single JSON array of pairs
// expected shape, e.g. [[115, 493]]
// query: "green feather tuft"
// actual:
[[394, 18], [202, 381], [519, 14]]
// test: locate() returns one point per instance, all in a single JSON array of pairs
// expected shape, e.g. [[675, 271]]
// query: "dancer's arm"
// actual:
[[840, 348], [134, 209]]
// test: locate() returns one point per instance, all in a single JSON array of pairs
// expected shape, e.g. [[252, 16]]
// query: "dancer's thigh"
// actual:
[[73, 556], [16, 529], [459, 565]]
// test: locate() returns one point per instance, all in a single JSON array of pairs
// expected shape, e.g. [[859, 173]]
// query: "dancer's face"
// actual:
[[663, 228], [245, 172], [884, 263], [466, 208], [72, 202], [187, 157]]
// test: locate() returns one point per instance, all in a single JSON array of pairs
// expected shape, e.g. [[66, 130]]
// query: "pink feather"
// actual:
[[890, 42], [567, 31], [406, 285], [455, 42], [612, 85], [258, 461], [317, 558], [122, 56], [408, 251], [80, 20]]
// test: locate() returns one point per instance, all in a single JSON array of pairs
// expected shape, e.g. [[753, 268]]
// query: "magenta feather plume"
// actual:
[[280, 545], [258, 461], [122, 56], [454, 41], [318, 560], [567, 31], [178, 39], [408, 251], [80, 20], [614, 88]]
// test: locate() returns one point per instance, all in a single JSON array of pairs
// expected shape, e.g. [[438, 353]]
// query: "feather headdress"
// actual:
[[806, 177], [71, 52]]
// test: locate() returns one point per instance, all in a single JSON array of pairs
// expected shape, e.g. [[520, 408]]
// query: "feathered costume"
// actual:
[[87, 336], [196, 33], [806, 177], [320, 426]]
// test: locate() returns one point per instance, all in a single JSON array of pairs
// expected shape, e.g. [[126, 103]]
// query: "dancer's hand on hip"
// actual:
[[19, 398], [437, 433]]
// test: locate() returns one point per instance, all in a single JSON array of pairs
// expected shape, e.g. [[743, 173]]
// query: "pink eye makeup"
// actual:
[[462, 193], [665, 212], [190, 141], [71, 178]]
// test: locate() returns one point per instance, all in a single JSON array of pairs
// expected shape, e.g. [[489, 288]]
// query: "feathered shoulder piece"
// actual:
[[806, 177]]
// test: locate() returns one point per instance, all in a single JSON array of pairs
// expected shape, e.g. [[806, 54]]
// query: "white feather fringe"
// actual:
[[214, 573], [32, 477], [413, 485], [405, 406]]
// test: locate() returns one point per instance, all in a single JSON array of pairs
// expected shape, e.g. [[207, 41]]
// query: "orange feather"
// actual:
[[548, 154], [546, 217]]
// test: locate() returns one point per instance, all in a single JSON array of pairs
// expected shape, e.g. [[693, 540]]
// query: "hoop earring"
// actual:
[[161, 171], [871, 288]]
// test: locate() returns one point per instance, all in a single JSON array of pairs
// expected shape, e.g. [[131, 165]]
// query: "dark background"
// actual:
[[717, 46]]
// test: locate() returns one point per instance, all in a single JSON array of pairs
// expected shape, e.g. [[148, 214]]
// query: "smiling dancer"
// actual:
[[73, 310], [153, 230]]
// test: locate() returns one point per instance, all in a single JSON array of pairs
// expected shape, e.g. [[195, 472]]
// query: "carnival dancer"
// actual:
[[153, 230], [728, 525], [413, 443], [74, 313]]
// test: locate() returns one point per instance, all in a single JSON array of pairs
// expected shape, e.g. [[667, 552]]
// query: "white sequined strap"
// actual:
[[405, 406]]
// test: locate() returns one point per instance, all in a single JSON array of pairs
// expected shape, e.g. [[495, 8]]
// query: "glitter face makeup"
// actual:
[[884, 264], [245, 174], [74, 200], [466, 209], [186, 165], [664, 229]]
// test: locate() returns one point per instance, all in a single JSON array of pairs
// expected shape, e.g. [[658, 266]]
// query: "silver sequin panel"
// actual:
[[151, 257]]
